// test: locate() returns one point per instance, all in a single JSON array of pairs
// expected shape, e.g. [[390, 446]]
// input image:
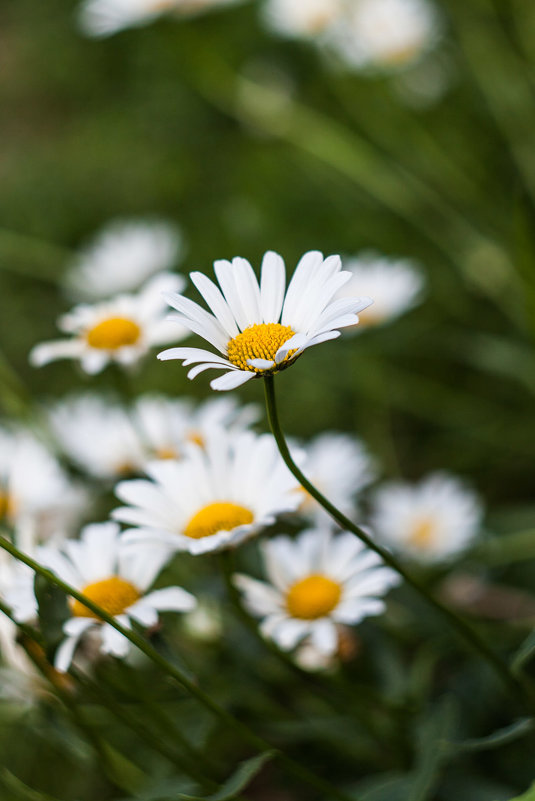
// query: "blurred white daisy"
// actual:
[[306, 18], [121, 330], [316, 582], [215, 497], [430, 521], [394, 284], [260, 330], [122, 257], [98, 435], [385, 34], [99, 18], [115, 576], [339, 466]]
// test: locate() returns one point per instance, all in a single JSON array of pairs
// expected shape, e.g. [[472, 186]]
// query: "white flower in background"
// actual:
[[122, 257], [167, 425], [385, 34], [121, 330], [204, 623], [99, 18], [37, 498], [339, 467], [215, 497], [394, 284], [302, 18], [98, 435], [260, 330], [114, 575], [316, 582], [430, 521]]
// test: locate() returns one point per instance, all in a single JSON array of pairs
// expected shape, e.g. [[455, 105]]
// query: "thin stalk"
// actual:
[[465, 631], [241, 729]]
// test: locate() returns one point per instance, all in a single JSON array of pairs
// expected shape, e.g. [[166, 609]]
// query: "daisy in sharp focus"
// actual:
[[215, 497], [396, 286], [121, 330], [431, 521], [261, 329], [317, 581], [122, 257], [115, 576]]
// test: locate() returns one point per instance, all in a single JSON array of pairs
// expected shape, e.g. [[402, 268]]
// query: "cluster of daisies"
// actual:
[[198, 478]]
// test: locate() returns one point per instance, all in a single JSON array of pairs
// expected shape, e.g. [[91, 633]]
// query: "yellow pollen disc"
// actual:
[[313, 597], [166, 453], [220, 516], [4, 504], [260, 341], [117, 332], [197, 438], [113, 594], [422, 533]]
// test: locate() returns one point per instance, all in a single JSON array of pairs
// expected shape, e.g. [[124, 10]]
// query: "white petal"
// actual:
[[113, 642], [231, 380], [47, 352], [172, 599], [261, 364], [272, 285], [324, 636]]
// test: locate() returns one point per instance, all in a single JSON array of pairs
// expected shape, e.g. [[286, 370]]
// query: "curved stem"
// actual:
[[247, 734], [476, 642]]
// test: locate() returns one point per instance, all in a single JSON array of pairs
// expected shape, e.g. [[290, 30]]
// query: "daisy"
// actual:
[[99, 18], [121, 330], [122, 257], [317, 581], [260, 330], [339, 466], [114, 575], [394, 284], [431, 521], [215, 497], [385, 34], [98, 435], [306, 18]]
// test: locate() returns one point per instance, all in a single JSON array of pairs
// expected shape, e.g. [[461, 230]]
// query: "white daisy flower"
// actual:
[[306, 18], [114, 575], [339, 466], [316, 582], [260, 330], [215, 497], [386, 34], [99, 18], [431, 521], [98, 435], [122, 257], [394, 284], [121, 330]]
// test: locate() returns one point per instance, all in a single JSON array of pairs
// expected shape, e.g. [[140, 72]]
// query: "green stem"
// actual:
[[476, 642], [241, 729]]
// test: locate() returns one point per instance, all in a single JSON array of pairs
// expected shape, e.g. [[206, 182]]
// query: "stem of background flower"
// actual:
[[241, 729], [476, 642]]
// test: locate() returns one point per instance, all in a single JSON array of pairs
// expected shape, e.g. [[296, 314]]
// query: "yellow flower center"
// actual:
[[196, 437], [220, 516], [113, 594], [312, 597], [114, 333], [422, 533], [260, 341], [7, 505], [166, 453]]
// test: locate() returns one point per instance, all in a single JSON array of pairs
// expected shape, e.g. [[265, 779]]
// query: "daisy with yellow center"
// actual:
[[430, 522], [318, 581], [215, 497], [116, 577], [121, 330], [260, 329]]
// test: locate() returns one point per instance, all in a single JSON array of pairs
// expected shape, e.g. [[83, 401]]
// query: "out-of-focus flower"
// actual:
[[385, 35], [204, 622], [98, 435], [245, 326], [215, 497], [317, 581], [122, 257], [431, 521], [115, 576], [394, 284], [308, 657], [121, 330], [99, 18], [305, 18], [339, 466]]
